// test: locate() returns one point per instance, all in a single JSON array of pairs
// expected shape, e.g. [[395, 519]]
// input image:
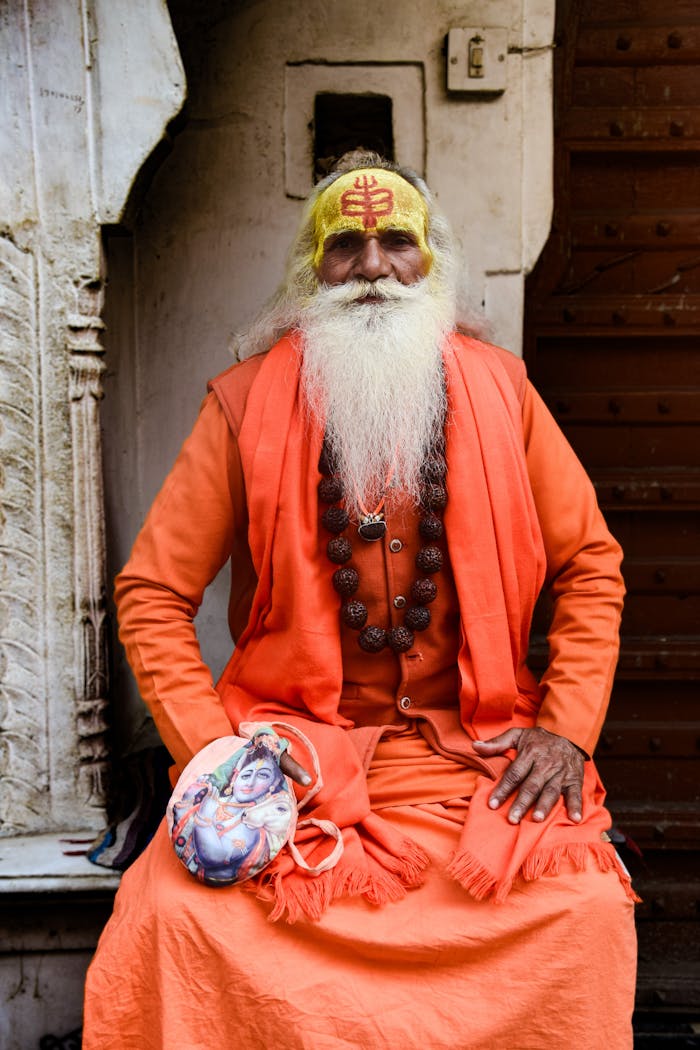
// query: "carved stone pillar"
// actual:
[[91, 665]]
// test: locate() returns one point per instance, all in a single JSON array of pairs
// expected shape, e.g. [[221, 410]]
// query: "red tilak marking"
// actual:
[[367, 200]]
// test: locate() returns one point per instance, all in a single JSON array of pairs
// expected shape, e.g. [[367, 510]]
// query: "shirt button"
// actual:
[[399, 601], [405, 703], [395, 546]]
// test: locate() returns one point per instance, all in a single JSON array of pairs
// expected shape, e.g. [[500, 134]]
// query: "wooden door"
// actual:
[[613, 344]]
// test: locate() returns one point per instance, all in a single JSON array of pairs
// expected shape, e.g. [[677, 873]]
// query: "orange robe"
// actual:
[[498, 975]]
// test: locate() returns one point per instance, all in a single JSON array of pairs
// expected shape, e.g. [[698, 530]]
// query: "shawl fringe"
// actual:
[[296, 898], [481, 884], [392, 851], [379, 871], [408, 866]]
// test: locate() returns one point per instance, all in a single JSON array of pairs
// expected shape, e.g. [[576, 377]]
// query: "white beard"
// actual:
[[373, 372]]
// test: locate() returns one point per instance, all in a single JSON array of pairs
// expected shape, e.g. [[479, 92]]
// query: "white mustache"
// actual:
[[385, 288]]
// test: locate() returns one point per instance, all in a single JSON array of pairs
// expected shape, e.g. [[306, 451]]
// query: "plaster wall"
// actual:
[[212, 233]]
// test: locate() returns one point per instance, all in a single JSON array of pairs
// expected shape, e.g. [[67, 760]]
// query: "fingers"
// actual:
[[498, 744], [546, 768], [574, 802], [516, 776], [292, 769], [533, 794], [549, 796], [546, 800]]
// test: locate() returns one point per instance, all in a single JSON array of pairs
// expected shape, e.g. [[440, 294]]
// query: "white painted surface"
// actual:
[[52, 863], [140, 86], [503, 305]]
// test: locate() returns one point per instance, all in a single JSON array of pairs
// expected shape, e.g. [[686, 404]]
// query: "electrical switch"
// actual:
[[476, 59]]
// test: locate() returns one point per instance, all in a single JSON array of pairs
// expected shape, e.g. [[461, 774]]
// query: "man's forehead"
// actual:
[[367, 200]]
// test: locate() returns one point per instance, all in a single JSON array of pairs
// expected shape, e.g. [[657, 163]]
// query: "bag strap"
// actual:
[[328, 828], [248, 729]]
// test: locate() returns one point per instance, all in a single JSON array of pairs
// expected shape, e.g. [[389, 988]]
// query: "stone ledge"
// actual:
[[40, 864]]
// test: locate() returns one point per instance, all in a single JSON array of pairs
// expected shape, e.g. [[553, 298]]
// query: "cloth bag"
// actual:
[[233, 809]]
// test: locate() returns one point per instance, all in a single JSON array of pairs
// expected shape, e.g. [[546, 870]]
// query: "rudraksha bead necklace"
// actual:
[[371, 527]]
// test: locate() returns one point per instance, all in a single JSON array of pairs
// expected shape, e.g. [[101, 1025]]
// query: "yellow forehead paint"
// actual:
[[370, 199]]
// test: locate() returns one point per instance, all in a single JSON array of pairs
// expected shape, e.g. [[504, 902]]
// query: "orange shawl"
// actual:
[[287, 665]]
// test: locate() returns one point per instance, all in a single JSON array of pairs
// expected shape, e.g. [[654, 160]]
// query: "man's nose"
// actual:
[[373, 261]]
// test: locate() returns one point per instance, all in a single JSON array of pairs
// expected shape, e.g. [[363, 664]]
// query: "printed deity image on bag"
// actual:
[[232, 810]]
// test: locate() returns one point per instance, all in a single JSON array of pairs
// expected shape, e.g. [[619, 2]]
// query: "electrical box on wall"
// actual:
[[476, 59]]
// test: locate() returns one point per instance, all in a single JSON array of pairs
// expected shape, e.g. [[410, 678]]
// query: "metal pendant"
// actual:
[[371, 527]]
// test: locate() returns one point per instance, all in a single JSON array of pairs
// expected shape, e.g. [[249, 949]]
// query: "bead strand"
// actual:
[[346, 579]]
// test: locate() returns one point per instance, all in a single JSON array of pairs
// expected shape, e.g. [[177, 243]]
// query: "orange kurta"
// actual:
[[199, 520], [355, 977]]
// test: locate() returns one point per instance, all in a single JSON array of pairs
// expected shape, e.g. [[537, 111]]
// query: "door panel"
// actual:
[[612, 343]]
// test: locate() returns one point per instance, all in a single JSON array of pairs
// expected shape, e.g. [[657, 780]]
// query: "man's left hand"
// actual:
[[546, 767]]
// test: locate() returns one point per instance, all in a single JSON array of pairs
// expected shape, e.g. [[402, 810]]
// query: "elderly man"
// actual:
[[393, 495]]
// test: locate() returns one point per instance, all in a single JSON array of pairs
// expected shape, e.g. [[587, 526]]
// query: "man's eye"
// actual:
[[401, 240]]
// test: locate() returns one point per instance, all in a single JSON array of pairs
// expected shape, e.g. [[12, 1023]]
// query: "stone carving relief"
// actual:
[[86, 368], [25, 717], [23, 713], [74, 74]]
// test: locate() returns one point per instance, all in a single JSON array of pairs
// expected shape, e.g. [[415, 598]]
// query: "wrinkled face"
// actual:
[[369, 224], [368, 255], [254, 780]]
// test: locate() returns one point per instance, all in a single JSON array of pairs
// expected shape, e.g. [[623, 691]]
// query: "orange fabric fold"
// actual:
[[495, 977], [492, 853], [287, 664], [407, 771]]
